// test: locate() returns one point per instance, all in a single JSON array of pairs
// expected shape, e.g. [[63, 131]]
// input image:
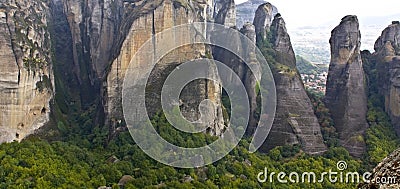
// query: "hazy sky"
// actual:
[[317, 12]]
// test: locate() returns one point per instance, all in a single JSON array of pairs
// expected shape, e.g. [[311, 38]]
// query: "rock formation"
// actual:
[[295, 121], [388, 169], [93, 42], [263, 20], [26, 77], [247, 10], [106, 35], [387, 55], [249, 31], [241, 69], [346, 95], [281, 42], [225, 12], [166, 15]]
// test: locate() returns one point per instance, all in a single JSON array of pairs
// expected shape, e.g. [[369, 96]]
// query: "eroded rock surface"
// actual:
[[387, 55], [26, 77], [295, 121], [166, 15], [387, 171], [225, 12], [346, 95]]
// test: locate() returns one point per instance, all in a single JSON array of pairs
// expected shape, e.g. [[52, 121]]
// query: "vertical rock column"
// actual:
[[295, 121], [346, 90], [387, 53], [263, 20]]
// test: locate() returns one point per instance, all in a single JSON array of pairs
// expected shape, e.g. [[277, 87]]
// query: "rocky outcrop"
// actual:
[[104, 36], [281, 42], [124, 180], [247, 10], [295, 121], [26, 77], [387, 55], [263, 20], [241, 69], [249, 30], [94, 32], [386, 175], [225, 12], [97, 28], [388, 44], [346, 95], [168, 14]]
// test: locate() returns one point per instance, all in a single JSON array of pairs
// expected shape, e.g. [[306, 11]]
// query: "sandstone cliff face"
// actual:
[[166, 15], [295, 121], [104, 36], [25, 68], [387, 53], [95, 31], [94, 27], [346, 91], [247, 10], [241, 69]]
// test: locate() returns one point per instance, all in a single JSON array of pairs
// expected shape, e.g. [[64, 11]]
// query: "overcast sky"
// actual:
[[318, 12]]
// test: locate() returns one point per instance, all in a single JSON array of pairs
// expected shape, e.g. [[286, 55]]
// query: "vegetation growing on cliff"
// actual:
[[381, 138], [276, 60], [306, 67]]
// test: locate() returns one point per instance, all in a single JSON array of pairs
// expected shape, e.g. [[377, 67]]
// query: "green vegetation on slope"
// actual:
[[39, 164], [306, 67]]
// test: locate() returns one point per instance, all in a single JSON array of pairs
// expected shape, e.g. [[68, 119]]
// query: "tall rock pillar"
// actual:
[[346, 95]]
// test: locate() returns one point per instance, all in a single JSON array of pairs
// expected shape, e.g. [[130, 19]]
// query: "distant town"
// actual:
[[316, 83]]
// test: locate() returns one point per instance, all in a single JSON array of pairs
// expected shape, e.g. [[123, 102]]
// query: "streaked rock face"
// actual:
[[295, 121], [26, 78], [263, 20], [281, 41], [241, 69], [106, 35], [387, 54], [346, 89], [166, 15], [94, 41]]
